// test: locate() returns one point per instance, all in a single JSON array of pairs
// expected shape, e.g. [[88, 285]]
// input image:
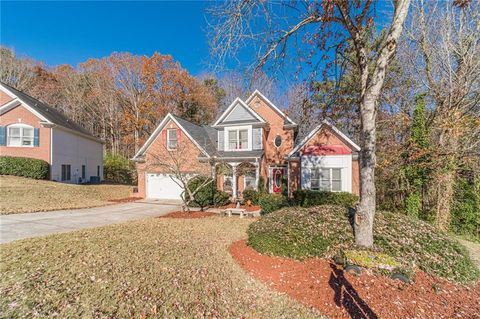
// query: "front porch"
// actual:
[[236, 177]]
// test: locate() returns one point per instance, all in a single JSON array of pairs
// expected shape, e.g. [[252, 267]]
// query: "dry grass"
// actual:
[[24, 195], [163, 268]]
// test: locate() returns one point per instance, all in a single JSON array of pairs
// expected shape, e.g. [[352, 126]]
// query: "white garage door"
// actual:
[[162, 186]]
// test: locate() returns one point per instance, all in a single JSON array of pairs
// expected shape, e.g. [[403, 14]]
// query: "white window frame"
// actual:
[[330, 180], [168, 139], [251, 178], [22, 137], [238, 129]]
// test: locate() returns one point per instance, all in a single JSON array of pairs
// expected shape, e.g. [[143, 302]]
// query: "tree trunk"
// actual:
[[366, 208]]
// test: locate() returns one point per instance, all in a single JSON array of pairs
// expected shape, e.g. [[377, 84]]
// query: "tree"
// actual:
[[16, 72], [441, 52], [181, 167], [324, 24]]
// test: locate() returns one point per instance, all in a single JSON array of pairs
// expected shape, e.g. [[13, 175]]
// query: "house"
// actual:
[[252, 140], [30, 128]]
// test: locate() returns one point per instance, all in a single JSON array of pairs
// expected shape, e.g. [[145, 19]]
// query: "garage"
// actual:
[[162, 186]]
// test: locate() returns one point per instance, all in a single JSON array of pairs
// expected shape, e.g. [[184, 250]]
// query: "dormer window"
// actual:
[[238, 139], [20, 135]]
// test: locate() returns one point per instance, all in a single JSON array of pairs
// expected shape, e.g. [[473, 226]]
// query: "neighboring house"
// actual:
[[250, 139], [30, 128]]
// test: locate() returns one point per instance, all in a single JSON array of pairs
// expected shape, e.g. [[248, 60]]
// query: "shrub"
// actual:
[[206, 195], [271, 202], [466, 208], [309, 198], [251, 195], [118, 169], [24, 166], [324, 231]]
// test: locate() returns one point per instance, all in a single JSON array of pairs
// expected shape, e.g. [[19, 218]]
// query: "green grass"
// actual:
[[25, 195], [324, 231], [162, 268]]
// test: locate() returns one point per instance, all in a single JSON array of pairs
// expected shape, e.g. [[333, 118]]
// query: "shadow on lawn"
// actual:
[[347, 297]]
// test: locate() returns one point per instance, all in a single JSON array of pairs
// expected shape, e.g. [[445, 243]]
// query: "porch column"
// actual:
[[257, 173], [234, 180]]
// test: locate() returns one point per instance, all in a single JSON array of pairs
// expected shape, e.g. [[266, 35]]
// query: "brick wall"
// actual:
[[22, 115]]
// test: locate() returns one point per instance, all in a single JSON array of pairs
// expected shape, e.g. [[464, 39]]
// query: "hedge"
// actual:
[[308, 198], [271, 202], [208, 195], [24, 166]]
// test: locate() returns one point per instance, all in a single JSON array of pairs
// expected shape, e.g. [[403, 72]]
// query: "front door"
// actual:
[[276, 179]]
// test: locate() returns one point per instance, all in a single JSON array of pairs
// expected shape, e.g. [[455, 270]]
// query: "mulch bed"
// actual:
[[251, 208], [187, 215], [125, 200], [321, 284]]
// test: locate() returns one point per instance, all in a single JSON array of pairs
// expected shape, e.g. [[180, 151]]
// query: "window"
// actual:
[[172, 139], [238, 139], [83, 172], [20, 135], [228, 184], [98, 171], [66, 172], [326, 179], [249, 180], [277, 141]]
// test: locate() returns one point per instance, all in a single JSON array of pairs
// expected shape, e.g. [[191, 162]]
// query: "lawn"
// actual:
[[24, 195], [158, 267]]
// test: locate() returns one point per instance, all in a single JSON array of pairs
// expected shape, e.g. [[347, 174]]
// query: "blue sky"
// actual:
[[71, 32]]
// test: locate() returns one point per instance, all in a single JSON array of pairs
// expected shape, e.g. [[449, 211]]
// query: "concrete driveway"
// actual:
[[19, 226]]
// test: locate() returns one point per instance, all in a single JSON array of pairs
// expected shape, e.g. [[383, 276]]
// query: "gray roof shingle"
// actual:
[[50, 113]]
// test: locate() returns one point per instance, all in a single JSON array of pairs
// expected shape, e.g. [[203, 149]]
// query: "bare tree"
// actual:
[[322, 23], [177, 163], [442, 55], [16, 72]]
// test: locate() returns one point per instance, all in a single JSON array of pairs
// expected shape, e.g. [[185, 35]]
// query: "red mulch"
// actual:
[[188, 215], [125, 200], [325, 286], [251, 208]]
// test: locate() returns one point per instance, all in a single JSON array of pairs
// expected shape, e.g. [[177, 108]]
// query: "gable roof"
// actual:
[[235, 103], [42, 110], [199, 135], [345, 138], [269, 103]]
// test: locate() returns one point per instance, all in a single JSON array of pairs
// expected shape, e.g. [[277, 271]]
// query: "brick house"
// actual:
[[30, 128], [250, 139]]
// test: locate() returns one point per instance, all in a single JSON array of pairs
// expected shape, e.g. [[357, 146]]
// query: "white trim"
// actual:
[[226, 146], [7, 91], [10, 105], [21, 126], [257, 92], [168, 139], [316, 130], [232, 106], [158, 130]]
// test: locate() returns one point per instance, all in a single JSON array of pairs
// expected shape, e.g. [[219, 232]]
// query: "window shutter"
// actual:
[[36, 137], [3, 136], [257, 139], [221, 140], [164, 137]]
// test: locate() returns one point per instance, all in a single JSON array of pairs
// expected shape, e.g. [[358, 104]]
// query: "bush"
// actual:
[[24, 166], [271, 202], [466, 208], [309, 198], [118, 169], [206, 195], [324, 231], [251, 195]]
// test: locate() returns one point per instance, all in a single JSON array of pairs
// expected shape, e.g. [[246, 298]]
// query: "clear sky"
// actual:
[[71, 32]]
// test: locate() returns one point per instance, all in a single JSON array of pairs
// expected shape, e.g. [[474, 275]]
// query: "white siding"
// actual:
[[75, 150], [330, 161], [239, 113]]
